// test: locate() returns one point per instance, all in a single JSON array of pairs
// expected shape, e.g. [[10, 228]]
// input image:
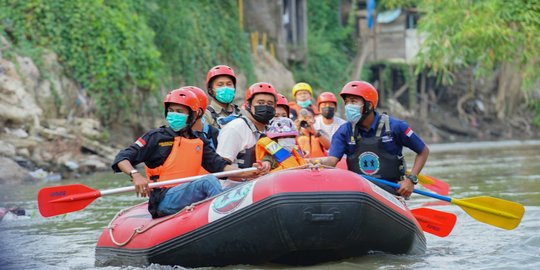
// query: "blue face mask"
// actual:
[[304, 104], [353, 113], [225, 94], [177, 121]]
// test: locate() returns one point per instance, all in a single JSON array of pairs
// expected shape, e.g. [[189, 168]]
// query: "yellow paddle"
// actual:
[[493, 211]]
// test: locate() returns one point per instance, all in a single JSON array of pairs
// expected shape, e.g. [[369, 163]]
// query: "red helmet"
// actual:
[[326, 97], [248, 94], [183, 97], [219, 71], [282, 101], [201, 96], [260, 87], [361, 89]]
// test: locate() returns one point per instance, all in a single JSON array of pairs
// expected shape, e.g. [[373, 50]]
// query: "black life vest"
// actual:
[[371, 158]]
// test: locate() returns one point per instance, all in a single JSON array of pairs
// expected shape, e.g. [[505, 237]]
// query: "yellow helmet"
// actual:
[[301, 86]]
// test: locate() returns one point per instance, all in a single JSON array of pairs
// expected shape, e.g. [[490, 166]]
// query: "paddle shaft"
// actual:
[[444, 198], [176, 181], [396, 185], [58, 200], [98, 193]]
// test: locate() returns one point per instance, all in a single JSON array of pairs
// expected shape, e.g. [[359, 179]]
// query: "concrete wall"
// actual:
[[284, 22], [389, 41]]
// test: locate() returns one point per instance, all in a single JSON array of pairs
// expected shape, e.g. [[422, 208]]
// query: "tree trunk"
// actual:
[[509, 93], [423, 96], [360, 59]]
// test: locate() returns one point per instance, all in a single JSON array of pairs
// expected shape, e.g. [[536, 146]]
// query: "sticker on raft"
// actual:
[[387, 196], [369, 163], [231, 201]]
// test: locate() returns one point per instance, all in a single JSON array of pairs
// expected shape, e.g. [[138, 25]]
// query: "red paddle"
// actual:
[[433, 221], [59, 200], [436, 185]]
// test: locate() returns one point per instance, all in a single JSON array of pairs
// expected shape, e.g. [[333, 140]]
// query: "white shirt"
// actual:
[[235, 137], [328, 129]]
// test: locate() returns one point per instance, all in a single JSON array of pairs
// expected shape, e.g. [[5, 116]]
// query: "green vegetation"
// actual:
[[107, 48], [194, 36], [487, 36], [331, 48], [122, 52]]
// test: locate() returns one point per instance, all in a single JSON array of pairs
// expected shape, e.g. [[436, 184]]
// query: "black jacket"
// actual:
[[154, 147]]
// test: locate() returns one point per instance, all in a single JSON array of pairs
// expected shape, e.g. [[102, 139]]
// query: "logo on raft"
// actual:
[[230, 201], [369, 163]]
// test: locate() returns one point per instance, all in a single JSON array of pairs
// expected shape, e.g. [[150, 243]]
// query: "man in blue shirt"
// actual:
[[373, 142]]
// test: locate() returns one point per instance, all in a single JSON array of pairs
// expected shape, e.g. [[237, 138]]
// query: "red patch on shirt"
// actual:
[[140, 142], [409, 132]]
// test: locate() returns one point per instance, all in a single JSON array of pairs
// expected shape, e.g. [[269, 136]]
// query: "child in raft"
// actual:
[[279, 147]]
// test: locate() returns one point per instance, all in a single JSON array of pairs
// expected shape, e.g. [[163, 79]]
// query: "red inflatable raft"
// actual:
[[296, 217]]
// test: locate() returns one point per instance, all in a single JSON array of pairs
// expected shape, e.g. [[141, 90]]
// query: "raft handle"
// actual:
[[321, 217]]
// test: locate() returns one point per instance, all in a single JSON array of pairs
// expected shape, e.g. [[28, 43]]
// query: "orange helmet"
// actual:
[[361, 89], [183, 97], [201, 96], [282, 101], [260, 87], [326, 97], [219, 71]]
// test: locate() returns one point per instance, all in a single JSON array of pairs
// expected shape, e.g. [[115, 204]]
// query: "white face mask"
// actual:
[[287, 143]]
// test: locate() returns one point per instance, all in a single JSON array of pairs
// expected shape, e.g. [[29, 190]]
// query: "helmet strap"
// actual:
[[366, 111], [200, 114]]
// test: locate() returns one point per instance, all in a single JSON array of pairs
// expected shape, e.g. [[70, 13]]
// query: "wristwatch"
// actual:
[[413, 178], [132, 172]]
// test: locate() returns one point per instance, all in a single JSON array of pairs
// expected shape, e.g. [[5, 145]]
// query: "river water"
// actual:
[[506, 170]]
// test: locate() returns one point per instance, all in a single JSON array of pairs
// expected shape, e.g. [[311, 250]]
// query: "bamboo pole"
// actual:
[[241, 13], [272, 50], [263, 41]]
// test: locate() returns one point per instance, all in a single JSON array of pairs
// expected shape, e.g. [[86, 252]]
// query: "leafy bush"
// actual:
[[194, 36], [121, 52], [105, 46]]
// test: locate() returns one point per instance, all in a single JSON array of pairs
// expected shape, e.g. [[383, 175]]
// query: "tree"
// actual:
[[490, 36]]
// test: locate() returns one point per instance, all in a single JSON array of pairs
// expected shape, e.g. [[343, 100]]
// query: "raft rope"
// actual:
[[142, 229]]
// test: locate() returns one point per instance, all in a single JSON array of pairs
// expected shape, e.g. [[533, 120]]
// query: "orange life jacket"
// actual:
[[203, 171], [312, 150], [297, 108], [183, 161], [284, 158]]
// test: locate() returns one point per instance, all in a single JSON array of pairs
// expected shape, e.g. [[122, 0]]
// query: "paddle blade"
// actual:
[[433, 184], [497, 212], [59, 200], [435, 222]]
